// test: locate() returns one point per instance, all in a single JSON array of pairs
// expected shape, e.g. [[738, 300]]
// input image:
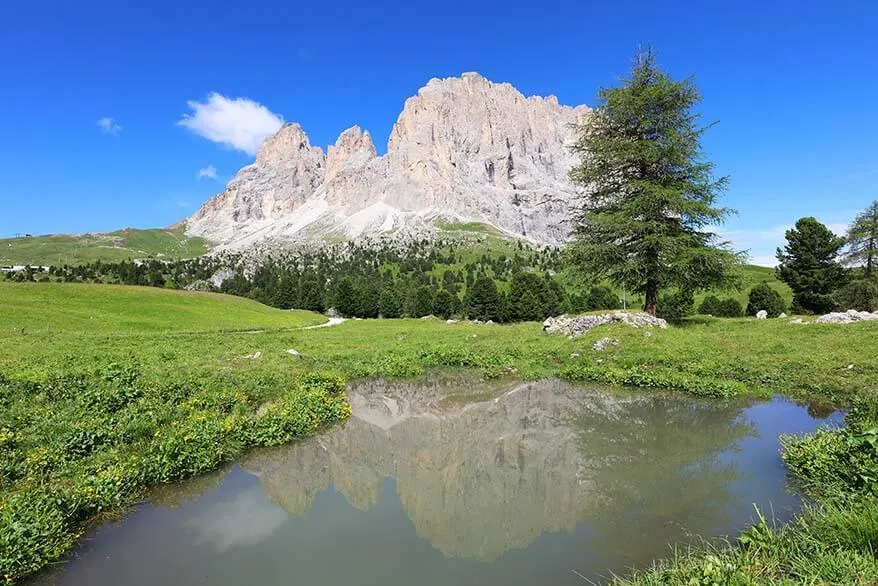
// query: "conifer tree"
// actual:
[[862, 240], [651, 195], [484, 302], [345, 298], [809, 265]]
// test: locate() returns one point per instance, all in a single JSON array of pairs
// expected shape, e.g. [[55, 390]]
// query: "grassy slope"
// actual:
[[124, 244], [753, 275], [98, 309]]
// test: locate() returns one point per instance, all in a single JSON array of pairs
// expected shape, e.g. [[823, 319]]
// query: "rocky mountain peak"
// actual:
[[290, 142], [353, 149], [463, 147]]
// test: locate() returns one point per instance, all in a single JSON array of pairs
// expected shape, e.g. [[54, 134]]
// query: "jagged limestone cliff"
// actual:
[[462, 148]]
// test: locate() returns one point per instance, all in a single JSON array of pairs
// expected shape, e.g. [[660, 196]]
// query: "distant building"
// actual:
[[17, 268]]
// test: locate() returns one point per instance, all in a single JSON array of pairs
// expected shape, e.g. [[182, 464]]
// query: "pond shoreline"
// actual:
[[418, 405]]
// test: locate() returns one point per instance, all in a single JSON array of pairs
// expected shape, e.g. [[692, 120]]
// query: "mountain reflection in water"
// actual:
[[440, 482], [479, 479]]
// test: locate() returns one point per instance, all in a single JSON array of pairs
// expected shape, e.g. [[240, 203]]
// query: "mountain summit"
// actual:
[[463, 149]]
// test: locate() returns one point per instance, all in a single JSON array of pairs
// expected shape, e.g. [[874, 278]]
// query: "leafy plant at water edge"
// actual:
[[841, 461], [66, 457]]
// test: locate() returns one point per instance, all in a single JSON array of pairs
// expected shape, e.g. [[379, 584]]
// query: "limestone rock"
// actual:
[[463, 149], [847, 317], [284, 176], [605, 343], [221, 275], [200, 285], [576, 325]]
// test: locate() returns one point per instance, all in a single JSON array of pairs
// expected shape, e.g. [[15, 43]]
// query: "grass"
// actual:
[[474, 227], [753, 275], [130, 243], [83, 433], [707, 356], [94, 309], [829, 544], [105, 390]]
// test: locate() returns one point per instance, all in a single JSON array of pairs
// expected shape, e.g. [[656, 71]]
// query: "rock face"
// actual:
[[462, 149]]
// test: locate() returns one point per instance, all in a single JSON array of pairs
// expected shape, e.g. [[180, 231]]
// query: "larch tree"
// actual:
[[650, 196], [862, 241]]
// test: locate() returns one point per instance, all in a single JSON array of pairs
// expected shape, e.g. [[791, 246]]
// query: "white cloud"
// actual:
[[208, 172], [763, 260], [239, 123], [109, 126], [839, 228], [246, 520]]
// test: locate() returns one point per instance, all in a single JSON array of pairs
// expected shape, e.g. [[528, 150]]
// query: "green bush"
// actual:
[[729, 308], [763, 297], [33, 533], [861, 294], [710, 305], [675, 306]]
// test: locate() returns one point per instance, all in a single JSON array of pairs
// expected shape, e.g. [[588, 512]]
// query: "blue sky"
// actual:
[[93, 92]]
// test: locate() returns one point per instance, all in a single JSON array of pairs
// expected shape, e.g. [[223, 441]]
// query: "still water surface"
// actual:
[[442, 483]]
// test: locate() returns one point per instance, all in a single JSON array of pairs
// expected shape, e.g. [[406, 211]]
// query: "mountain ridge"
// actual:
[[463, 148]]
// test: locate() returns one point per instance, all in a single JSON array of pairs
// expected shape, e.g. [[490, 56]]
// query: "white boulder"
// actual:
[[847, 317], [576, 325]]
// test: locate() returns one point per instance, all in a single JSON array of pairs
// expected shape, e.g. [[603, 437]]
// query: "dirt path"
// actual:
[[333, 321]]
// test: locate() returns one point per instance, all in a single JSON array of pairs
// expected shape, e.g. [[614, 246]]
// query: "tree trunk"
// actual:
[[870, 247], [651, 296]]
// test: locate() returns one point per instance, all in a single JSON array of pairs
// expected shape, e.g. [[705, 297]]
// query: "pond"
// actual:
[[454, 482]]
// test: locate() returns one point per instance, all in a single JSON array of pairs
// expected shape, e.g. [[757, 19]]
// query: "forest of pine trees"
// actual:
[[414, 281]]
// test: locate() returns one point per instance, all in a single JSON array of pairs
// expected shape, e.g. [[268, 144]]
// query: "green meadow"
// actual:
[[107, 390]]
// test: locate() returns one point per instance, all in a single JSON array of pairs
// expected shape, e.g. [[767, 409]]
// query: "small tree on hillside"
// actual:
[[483, 300], [763, 297], [389, 302], [527, 297], [286, 293], [345, 297], [419, 302], [651, 194], [809, 265], [710, 305], [367, 299], [311, 295], [444, 304], [729, 308], [862, 241]]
